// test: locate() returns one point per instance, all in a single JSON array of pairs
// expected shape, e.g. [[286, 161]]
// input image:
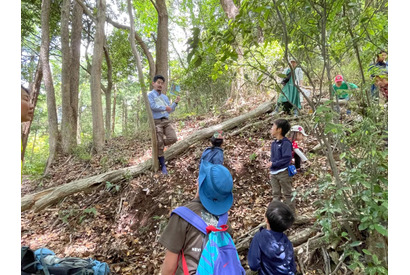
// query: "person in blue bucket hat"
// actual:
[[213, 199], [215, 188]]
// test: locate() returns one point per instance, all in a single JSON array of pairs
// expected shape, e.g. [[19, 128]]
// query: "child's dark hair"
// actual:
[[25, 89], [280, 216], [158, 76], [282, 124], [217, 142]]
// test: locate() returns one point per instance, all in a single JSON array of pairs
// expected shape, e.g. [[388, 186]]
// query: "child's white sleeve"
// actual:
[[300, 154]]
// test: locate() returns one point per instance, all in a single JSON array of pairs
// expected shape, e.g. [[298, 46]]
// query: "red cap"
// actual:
[[338, 78]]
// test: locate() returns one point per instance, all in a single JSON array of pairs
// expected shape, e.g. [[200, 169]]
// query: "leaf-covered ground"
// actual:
[[120, 223]]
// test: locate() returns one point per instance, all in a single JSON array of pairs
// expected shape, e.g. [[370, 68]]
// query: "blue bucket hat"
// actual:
[[215, 188]]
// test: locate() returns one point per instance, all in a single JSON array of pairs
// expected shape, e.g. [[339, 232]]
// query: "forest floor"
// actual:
[[121, 223]]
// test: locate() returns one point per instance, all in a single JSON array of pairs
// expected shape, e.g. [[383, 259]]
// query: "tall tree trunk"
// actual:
[[137, 116], [124, 117], [79, 111], [34, 145], [231, 12], [143, 88], [65, 79], [76, 30], [48, 82], [34, 91], [161, 47], [114, 103], [96, 101], [108, 93]]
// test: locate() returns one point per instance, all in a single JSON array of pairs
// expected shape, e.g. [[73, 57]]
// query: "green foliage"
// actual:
[[112, 187], [88, 212], [123, 63], [364, 194], [83, 151], [36, 157]]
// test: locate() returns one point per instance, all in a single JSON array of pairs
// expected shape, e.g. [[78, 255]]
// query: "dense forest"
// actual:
[[91, 180]]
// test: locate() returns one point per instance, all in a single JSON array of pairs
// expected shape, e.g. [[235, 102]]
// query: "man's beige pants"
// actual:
[[165, 134]]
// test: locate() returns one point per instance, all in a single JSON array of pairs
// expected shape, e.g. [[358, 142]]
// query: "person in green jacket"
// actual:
[[342, 90], [290, 97]]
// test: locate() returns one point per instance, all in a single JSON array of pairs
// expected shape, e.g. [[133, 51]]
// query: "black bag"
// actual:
[[28, 261], [287, 78]]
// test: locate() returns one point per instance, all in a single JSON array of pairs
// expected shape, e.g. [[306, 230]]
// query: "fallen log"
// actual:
[[261, 123], [42, 199]]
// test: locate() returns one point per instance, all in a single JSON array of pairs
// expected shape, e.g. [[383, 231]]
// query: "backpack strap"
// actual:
[[195, 220], [223, 219], [191, 217], [42, 256]]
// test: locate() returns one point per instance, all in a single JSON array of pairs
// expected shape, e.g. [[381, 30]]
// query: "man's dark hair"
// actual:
[[217, 142], [25, 89], [280, 216], [158, 76], [282, 124]]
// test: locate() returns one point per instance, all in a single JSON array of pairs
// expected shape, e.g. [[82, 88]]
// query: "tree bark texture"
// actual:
[[42, 199], [34, 92], [66, 123], [108, 93], [76, 30], [124, 117], [230, 9], [114, 104], [154, 142], [96, 101], [48, 83], [79, 112], [161, 46]]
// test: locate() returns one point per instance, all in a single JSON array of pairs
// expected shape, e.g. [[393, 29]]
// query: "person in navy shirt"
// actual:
[[214, 154], [271, 252], [161, 108], [281, 157]]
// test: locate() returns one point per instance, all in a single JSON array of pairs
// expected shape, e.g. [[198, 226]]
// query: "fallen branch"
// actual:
[[251, 125], [42, 199], [262, 122]]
